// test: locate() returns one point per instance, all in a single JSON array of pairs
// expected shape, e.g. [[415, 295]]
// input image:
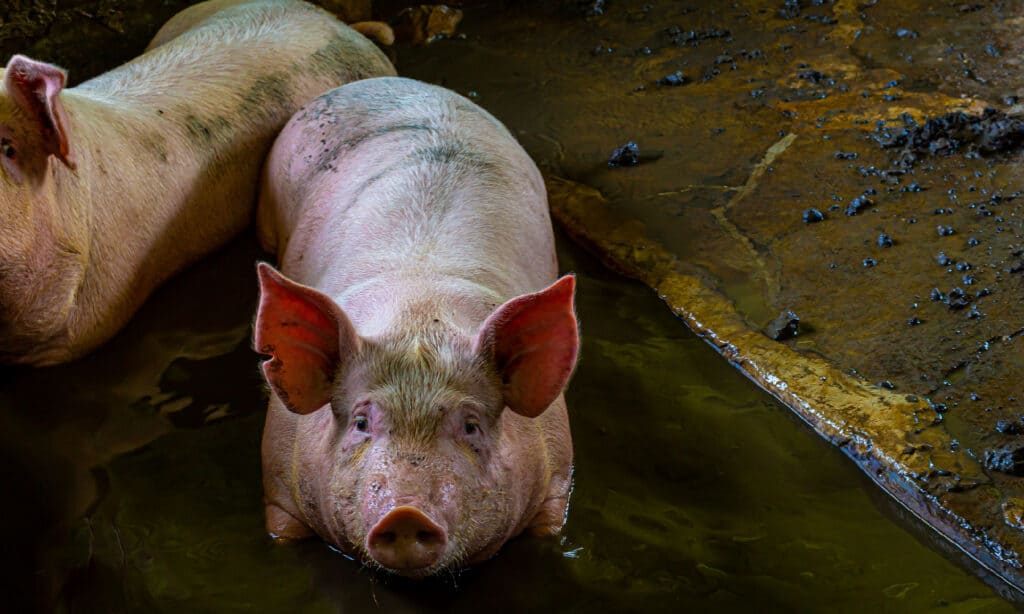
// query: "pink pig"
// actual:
[[109, 188], [419, 356]]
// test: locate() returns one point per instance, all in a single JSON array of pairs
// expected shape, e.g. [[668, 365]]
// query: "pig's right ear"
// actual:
[[307, 334], [35, 87]]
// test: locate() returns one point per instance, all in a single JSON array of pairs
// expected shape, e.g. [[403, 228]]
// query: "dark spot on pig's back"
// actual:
[[263, 107], [155, 143], [351, 56], [269, 97], [455, 153], [329, 152], [340, 103], [205, 132]]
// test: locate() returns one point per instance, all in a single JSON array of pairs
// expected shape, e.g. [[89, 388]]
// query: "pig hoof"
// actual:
[[550, 519]]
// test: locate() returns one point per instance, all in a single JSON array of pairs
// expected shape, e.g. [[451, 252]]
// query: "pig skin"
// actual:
[[139, 172], [409, 214]]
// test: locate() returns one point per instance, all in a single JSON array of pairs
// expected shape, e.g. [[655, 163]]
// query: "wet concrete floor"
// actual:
[[136, 471]]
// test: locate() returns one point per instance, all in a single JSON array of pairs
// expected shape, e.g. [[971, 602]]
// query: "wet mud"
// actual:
[[761, 188]]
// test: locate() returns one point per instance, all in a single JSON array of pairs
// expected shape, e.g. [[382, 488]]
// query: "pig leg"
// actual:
[[282, 526], [281, 513], [558, 455]]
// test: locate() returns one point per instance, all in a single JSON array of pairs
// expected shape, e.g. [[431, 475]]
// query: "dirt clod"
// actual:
[[674, 79], [626, 155], [785, 326], [1008, 458], [990, 133], [813, 216]]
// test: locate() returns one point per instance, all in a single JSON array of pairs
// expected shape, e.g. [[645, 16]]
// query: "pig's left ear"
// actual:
[[35, 87], [533, 341], [307, 335]]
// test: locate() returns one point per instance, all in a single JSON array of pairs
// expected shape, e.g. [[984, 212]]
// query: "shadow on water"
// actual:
[[132, 483]]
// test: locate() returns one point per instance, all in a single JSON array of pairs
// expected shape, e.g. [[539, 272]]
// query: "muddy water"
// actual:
[[133, 478], [692, 487]]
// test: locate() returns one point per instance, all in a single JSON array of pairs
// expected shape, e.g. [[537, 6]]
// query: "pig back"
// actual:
[[175, 139], [393, 177]]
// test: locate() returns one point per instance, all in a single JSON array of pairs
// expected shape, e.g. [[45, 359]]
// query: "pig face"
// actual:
[[408, 459], [41, 249]]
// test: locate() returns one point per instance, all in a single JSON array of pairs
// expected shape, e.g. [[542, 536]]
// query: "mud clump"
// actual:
[[1010, 427], [956, 299], [627, 155], [790, 9], [813, 216], [674, 79], [858, 204], [815, 77], [990, 133], [1008, 459], [785, 326], [693, 38]]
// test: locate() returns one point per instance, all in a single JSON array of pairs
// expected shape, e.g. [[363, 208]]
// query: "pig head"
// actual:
[[44, 247], [423, 448]]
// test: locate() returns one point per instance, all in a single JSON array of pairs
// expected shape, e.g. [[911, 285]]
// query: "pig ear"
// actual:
[[35, 87], [533, 341], [307, 335]]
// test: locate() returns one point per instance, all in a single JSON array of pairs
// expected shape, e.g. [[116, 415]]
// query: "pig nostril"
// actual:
[[406, 538]]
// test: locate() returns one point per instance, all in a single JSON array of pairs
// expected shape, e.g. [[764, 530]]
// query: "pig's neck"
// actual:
[[133, 242]]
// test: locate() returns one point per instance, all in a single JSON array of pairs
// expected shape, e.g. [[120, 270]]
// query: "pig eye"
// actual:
[[471, 426], [362, 424]]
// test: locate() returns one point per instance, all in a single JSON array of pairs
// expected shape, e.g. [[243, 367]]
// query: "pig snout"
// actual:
[[406, 539]]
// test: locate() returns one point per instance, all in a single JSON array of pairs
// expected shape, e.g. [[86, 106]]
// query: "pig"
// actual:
[[110, 187], [419, 337]]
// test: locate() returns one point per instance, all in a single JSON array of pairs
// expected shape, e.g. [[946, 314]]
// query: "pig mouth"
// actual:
[[408, 542]]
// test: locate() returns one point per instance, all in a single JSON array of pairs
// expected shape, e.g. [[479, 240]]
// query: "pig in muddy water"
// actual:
[[419, 337], [108, 188]]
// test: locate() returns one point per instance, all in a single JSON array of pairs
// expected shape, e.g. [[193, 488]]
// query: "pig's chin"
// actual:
[[415, 574], [412, 573], [361, 555]]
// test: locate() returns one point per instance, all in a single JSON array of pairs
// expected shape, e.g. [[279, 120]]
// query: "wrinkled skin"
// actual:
[[419, 339], [108, 188]]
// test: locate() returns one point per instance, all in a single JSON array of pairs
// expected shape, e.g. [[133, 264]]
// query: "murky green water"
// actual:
[[693, 489]]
